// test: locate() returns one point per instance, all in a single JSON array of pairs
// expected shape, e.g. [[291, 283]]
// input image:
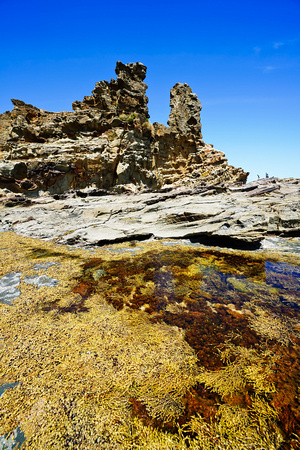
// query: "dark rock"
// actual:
[[27, 185], [263, 190], [60, 196], [98, 192], [16, 201], [12, 169], [81, 194]]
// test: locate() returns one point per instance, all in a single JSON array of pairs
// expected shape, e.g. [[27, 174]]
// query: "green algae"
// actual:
[[238, 284], [169, 348]]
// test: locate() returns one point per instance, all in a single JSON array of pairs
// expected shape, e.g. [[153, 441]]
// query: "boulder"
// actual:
[[12, 169]]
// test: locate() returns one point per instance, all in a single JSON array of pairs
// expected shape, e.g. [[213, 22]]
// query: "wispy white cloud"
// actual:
[[268, 69], [257, 50], [272, 65], [285, 42], [277, 45]]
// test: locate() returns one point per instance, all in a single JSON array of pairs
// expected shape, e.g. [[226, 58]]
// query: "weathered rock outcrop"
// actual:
[[107, 142], [231, 217], [126, 95], [185, 111]]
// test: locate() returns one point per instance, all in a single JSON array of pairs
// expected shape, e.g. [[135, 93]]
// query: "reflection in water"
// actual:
[[282, 275]]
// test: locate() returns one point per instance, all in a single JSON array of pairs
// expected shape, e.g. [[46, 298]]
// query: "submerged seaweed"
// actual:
[[172, 348]]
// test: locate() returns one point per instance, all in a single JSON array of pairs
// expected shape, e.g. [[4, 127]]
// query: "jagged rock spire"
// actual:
[[107, 142], [185, 111], [125, 95]]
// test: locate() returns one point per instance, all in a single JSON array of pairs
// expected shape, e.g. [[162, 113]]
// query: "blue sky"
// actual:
[[242, 59]]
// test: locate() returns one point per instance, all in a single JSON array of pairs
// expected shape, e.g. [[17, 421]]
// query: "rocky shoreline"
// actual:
[[223, 215], [120, 328], [104, 174]]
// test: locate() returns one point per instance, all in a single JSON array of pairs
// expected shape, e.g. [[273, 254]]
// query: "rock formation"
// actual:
[[107, 142], [126, 95], [237, 216], [185, 111]]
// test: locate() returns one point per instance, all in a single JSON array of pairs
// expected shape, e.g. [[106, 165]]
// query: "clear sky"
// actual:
[[241, 57]]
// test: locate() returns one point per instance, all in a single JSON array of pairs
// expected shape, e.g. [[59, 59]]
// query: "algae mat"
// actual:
[[156, 346]]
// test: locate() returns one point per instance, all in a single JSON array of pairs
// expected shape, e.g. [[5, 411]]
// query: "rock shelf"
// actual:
[[226, 216]]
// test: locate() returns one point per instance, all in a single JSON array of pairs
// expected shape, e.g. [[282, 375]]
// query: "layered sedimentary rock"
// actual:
[[240, 217], [108, 142]]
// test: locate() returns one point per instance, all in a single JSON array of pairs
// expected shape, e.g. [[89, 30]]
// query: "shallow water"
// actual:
[[279, 244], [12, 441], [9, 283], [16, 438], [7, 386], [198, 342], [220, 300]]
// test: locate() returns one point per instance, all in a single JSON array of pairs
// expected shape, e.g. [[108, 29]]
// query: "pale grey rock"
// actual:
[[226, 218], [9, 287], [41, 280], [94, 235], [13, 169]]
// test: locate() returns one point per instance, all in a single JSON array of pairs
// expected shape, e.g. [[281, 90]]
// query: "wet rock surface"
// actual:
[[9, 287]]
